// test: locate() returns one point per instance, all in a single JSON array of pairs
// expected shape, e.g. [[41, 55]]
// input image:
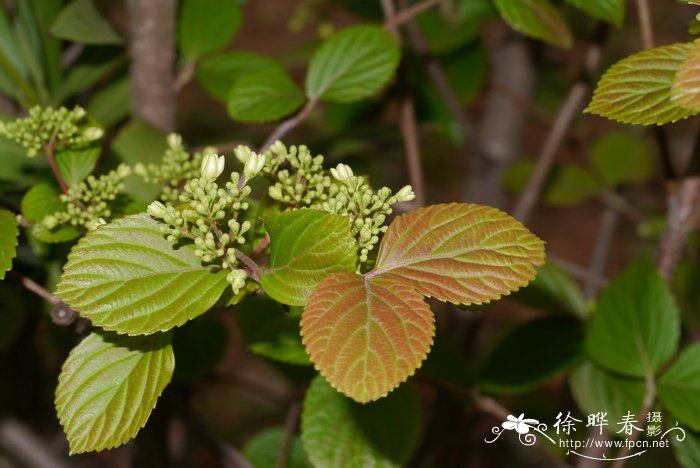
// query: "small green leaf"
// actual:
[[460, 253], [519, 362], [569, 184], [554, 291], [538, 19], [218, 73], [108, 387], [636, 326], [305, 247], [111, 104], [82, 76], [270, 331], [126, 277], [76, 164], [597, 390], [206, 25], [80, 21], [366, 337], [9, 230], [637, 89], [353, 64], [686, 85], [266, 95], [264, 447], [622, 158], [612, 11], [337, 432], [199, 345], [679, 387], [40, 201], [445, 34]]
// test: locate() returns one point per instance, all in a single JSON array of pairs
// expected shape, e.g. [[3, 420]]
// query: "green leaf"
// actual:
[[597, 390], [305, 247], [126, 277], [42, 200], [353, 64], [82, 76], [108, 387], [80, 21], [206, 25], [637, 89], [612, 11], [636, 326], [199, 345], [459, 252], [337, 432], [266, 95], [679, 387], [554, 291], [687, 450], [520, 362], [538, 19], [218, 73], [686, 85], [76, 164], [9, 231], [270, 331], [445, 33], [111, 104], [366, 337], [622, 158], [264, 447]]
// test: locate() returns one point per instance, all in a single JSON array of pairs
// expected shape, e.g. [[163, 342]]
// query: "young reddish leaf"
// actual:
[[686, 86], [366, 336], [637, 89], [461, 253]]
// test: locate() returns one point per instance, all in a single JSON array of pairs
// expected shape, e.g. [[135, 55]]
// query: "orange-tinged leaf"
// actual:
[[366, 336], [686, 86], [460, 253], [637, 89]]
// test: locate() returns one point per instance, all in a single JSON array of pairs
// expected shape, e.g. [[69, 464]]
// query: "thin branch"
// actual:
[[645, 23], [288, 124], [649, 397], [578, 271], [183, 77], [408, 13], [409, 131], [622, 206], [48, 151], [34, 287], [254, 272], [261, 247], [19, 440], [290, 426], [601, 249]]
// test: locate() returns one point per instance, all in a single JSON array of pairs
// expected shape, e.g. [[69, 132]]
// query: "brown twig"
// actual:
[[287, 125], [601, 249], [29, 449], [254, 270], [34, 287], [290, 426], [645, 23], [408, 13], [183, 77], [409, 131]]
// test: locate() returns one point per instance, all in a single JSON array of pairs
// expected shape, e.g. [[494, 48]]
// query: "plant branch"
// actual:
[[290, 426], [649, 397], [21, 442], [34, 287], [254, 272], [601, 249], [184, 76], [408, 13], [645, 23], [288, 124], [49, 152], [409, 131]]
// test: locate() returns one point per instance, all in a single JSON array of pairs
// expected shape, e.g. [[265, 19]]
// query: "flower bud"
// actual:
[[242, 153], [275, 192], [341, 172], [254, 165], [405, 194], [157, 210], [79, 113], [174, 140], [49, 222], [212, 166], [93, 133]]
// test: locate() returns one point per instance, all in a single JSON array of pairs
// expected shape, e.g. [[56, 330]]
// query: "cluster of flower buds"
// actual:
[[58, 128]]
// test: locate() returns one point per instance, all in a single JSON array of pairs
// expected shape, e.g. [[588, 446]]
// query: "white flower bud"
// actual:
[[212, 166], [174, 140], [157, 210], [93, 133], [342, 172], [254, 165], [275, 192], [242, 153], [140, 169], [49, 222], [405, 194], [78, 112], [123, 171]]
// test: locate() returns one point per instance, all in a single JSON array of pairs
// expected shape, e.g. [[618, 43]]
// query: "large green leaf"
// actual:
[[612, 11], [353, 64], [263, 449], [622, 158], [83, 75], [686, 85], [126, 277], [519, 362], [679, 387], [9, 230], [637, 89], [337, 432], [111, 104], [270, 331], [536, 18], [305, 247], [76, 164], [206, 25], [265, 95], [40, 201], [554, 291], [218, 73], [80, 21], [687, 450], [636, 326], [108, 387], [459, 252], [597, 390], [366, 337]]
